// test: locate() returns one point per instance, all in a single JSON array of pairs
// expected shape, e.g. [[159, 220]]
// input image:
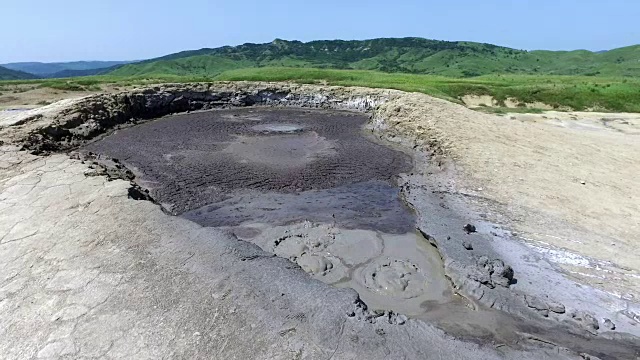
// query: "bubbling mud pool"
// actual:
[[396, 272], [306, 185]]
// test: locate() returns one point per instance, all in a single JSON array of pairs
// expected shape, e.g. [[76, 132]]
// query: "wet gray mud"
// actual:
[[306, 185], [192, 160], [310, 186], [371, 205]]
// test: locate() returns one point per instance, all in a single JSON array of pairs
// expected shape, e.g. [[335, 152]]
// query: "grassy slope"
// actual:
[[445, 69], [8, 74], [46, 69], [576, 92], [192, 66], [407, 55]]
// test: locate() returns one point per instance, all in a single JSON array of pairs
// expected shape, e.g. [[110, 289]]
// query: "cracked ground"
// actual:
[[89, 273]]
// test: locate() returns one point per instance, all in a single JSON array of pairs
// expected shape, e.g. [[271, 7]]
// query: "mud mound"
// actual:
[[398, 272]]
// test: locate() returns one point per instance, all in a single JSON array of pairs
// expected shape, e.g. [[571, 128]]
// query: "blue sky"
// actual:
[[65, 30]]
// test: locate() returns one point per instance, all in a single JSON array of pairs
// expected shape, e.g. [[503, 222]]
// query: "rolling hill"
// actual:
[[8, 74], [405, 55], [65, 69]]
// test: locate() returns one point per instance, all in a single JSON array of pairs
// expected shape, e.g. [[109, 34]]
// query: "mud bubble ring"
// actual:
[[392, 277]]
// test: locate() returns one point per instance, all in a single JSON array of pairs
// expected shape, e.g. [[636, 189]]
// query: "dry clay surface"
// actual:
[[89, 273], [531, 167], [28, 96], [565, 182], [80, 255]]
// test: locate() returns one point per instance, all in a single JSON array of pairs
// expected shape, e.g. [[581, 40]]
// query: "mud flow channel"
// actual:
[[307, 185]]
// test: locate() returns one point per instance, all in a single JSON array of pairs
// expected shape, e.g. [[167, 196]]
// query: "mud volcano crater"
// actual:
[[190, 160], [312, 187], [307, 185]]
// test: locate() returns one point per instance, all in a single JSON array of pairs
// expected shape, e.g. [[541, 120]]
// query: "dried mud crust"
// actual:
[[192, 160], [91, 273], [548, 177]]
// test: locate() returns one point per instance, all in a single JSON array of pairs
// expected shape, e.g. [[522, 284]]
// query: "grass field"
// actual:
[[575, 92]]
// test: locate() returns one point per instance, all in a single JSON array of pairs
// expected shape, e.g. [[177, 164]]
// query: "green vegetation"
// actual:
[[578, 80], [8, 74], [562, 92], [575, 92], [505, 110], [78, 84], [202, 65], [88, 82], [406, 55], [65, 69]]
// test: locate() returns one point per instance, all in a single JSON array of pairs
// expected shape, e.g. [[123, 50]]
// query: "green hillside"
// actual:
[[405, 55], [60, 69], [600, 93], [8, 74]]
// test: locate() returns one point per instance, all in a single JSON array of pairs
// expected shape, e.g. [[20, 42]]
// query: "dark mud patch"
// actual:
[[191, 160], [371, 205]]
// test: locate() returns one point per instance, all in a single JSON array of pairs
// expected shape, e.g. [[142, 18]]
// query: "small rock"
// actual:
[[469, 228], [483, 261], [467, 245], [481, 276], [608, 324], [583, 182], [400, 320], [502, 274], [587, 320], [536, 303], [556, 307]]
